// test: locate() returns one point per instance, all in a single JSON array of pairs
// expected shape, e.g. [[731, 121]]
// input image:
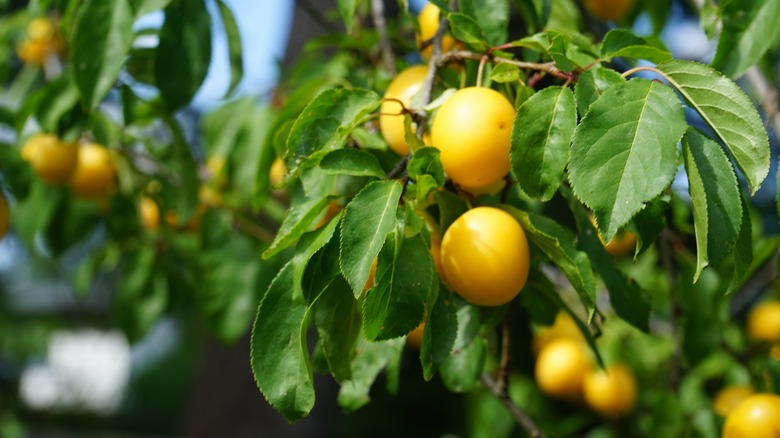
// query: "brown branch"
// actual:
[[503, 366], [520, 416], [378, 15], [547, 67]]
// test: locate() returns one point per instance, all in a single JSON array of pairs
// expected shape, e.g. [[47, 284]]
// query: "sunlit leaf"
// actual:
[[728, 111], [624, 152], [541, 135], [368, 218]]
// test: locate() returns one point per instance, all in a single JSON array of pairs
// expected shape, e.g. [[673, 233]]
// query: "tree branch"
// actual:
[[459, 55], [378, 15], [518, 414]]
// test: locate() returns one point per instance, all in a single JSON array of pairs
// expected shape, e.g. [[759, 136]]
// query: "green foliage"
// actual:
[[332, 267]]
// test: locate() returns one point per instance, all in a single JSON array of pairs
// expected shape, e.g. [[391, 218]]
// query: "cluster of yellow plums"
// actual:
[[209, 195], [564, 370], [88, 169], [747, 413], [484, 253], [40, 42]]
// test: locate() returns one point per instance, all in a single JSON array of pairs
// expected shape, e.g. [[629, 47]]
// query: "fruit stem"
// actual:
[[481, 69]]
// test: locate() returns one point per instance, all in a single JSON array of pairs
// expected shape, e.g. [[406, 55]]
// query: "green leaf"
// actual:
[[624, 152], [284, 117], [57, 98], [715, 199], [558, 245], [297, 220], [180, 192], [699, 302], [230, 288], [310, 244], [404, 279], [743, 250], [461, 371], [492, 16], [649, 223], [441, 328], [426, 169], [143, 7], [37, 211], [101, 40], [347, 9], [630, 302], [142, 295], [451, 207], [465, 29], [504, 72], [592, 84], [337, 316], [371, 358], [234, 46], [622, 43], [279, 352], [183, 55], [728, 111], [558, 50], [352, 162], [544, 302], [327, 121], [368, 218], [749, 30], [541, 135]]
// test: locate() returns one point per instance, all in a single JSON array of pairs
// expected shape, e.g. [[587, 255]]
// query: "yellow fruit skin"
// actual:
[[472, 130], [4, 217], [41, 42], [52, 160], [561, 367], [391, 122], [622, 244], [429, 19], [370, 280], [611, 392], [763, 322], [95, 172], [730, 397], [758, 416], [149, 213], [610, 9], [277, 172], [563, 327], [485, 256], [414, 338]]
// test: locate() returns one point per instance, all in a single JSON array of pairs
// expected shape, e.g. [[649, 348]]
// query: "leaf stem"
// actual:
[[629, 72]]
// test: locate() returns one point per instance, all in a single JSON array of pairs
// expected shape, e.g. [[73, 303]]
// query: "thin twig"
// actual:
[[547, 67], [426, 92], [520, 416], [378, 15], [503, 366]]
